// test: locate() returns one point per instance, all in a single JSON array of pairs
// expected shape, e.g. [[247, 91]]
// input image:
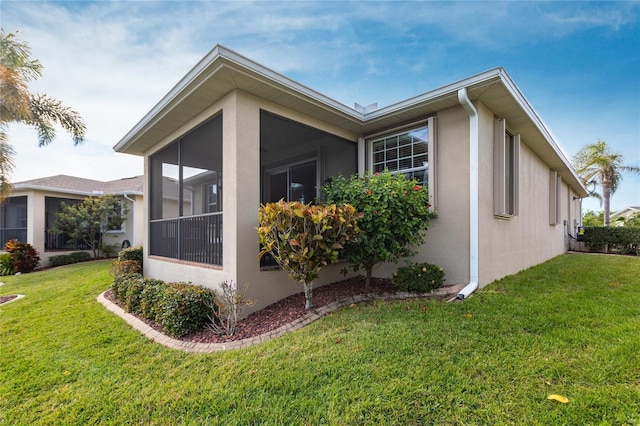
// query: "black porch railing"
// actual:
[[191, 238], [7, 234], [62, 242]]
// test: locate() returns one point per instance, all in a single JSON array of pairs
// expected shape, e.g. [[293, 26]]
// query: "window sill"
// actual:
[[503, 216]]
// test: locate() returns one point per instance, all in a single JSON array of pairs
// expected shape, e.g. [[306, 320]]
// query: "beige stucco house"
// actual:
[[232, 134], [30, 210]]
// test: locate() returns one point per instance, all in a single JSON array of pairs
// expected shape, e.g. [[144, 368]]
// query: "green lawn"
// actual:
[[570, 326]]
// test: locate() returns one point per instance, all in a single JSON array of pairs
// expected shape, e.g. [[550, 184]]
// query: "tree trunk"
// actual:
[[367, 279], [308, 294], [606, 198]]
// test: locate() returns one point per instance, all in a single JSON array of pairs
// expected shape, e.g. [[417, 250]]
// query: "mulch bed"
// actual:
[[5, 299], [284, 311]]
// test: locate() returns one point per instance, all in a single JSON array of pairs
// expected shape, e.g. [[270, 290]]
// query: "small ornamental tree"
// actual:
[[395, 217], [90, 219], [304, 238]]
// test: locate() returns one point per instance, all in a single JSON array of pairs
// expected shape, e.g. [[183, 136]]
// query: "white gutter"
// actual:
[[464, 100]]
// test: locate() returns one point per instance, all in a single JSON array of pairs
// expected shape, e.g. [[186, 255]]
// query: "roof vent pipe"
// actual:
[[466, 103]]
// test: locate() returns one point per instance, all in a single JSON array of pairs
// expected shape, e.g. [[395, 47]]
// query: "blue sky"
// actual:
[[578, 63]]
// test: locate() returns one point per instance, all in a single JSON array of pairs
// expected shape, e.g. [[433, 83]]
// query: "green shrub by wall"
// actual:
[[180, 308], [616, 239], [418, 277]]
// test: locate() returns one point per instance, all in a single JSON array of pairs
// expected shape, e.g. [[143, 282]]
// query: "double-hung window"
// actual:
[[410, 151], [506, 156]]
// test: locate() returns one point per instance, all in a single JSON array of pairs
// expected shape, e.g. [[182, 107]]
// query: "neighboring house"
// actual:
[[233, 134], [618, 218], [31, 210]]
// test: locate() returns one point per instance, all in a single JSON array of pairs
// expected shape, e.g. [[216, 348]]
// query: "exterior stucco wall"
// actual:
[[447, 242], [241, 199], [265, 286], [511, 245]]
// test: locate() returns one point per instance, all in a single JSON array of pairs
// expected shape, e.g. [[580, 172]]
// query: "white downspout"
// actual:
[[464, 100], [133, 216]]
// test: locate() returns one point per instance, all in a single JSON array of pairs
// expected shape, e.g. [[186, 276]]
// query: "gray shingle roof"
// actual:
[[89, 186]]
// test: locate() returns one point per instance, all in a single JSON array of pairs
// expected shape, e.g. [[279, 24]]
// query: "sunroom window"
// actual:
[[186, 197]]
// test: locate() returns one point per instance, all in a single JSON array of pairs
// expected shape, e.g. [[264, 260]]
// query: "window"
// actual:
[[185, 197], [13, 219], [506, 156], [293, 183], [410, 152], [555, 183]]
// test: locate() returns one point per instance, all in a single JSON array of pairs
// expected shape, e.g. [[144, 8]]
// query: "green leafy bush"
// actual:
[[418, 277], [180, 308], [125, 267], [133, 293], [395, 217], [6, 268], [304, 238], [121, 284], [24, 257], [60, 260], [618, 239], [80, 256], [67, 259], [184, 308], [132, 253], [150, 297]]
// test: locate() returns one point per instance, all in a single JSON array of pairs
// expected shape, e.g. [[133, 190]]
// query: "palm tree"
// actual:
[[596, 162], [18, 105]]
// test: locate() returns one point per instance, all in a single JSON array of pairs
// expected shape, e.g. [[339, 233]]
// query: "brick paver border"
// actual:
[[313, 315]]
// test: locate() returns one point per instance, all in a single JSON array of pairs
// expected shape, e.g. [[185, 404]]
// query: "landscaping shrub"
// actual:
[[230, 303], [133, 293], [131, 253], [620, 239], [180, 308], [60, 260], [108, 250], [418, 277], [395, 217], [80, 256], [184, 308], [6, 268], [24, 258], [150, 298], [304, 238], [67, 259], [121, 284], [125, 267]]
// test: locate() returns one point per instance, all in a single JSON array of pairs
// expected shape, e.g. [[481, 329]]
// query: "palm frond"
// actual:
[[46, 110]]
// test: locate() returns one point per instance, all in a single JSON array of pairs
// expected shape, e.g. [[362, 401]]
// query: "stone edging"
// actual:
[[297, 324]]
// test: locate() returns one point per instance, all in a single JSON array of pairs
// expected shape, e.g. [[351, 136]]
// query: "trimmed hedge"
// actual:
[[68, 259], [132, 253], [418, 277], [618, 239], [180, 308]]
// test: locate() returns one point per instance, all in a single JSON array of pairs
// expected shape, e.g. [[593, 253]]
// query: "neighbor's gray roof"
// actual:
[[76, 185]]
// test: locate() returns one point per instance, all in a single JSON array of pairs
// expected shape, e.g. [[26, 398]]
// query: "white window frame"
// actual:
[[506, 171], [431, 166]]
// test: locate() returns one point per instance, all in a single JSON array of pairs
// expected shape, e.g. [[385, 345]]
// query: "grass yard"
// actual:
[[570, 326]]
